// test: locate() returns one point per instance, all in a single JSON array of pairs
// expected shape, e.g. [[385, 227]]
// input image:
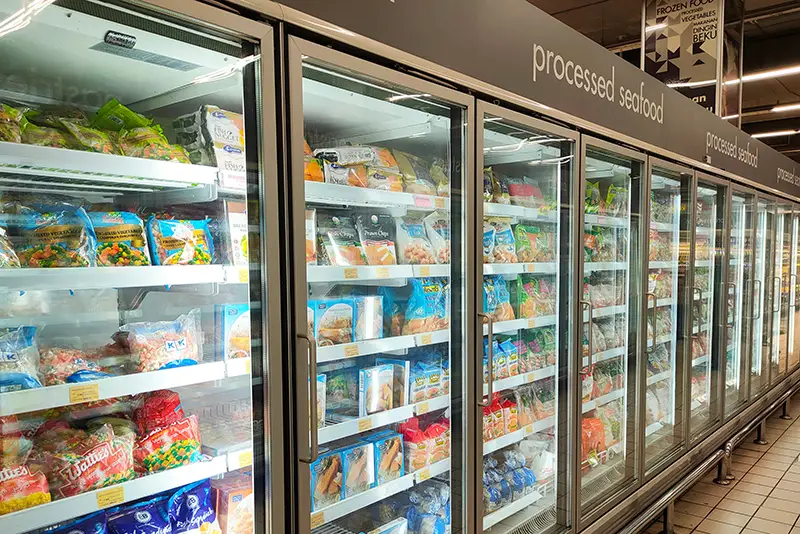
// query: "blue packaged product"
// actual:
[[489, 295], [359, 468], [86, 376], [505, 491], [232, 336], [149, 517], [191, 510], [91, 524], [428, 306], [120, 239], [375, 393], [491, 497], [430, 524], [327, 477], [60, 238], [419, 383], [332, 321], [180, 242], [530, 479], [389, 456], [512, 356], [19, 359], [516, 479]]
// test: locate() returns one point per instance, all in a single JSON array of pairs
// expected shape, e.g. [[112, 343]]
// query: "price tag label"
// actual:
[[382, 272], [424, 474], [244, 276], [425, 339], [247, 366], [364, 424], [245, 459], [529, 377], [439, 202], [424, 271], [85, 393], [531, 323], [529, 429], [317, 519], [530, 267], [422, 201], [422, 408], [351, 351], [351, 273], [111, 497]]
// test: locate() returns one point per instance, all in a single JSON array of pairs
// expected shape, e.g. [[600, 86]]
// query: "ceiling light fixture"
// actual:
[[655, 27], [397, 98], [23, 17], [701, 83], [729, 117], [774, 134], [788, 107]]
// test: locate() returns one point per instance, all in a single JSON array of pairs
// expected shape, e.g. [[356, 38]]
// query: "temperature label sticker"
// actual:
[[85, 393]]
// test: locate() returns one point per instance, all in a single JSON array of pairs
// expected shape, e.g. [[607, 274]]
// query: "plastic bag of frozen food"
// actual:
[[489, 233], [346, 156], [428, 306], [89, 524], [394, 306], [488, 188], [114, 116], [180, 242], [525, 192], [500, 189], [376, 232], [504, 250], [616, 201], [52, 116], [416, 174], [22, 486], [489, 295], [593, 199], [19, 359], [60, 238], [312, 170], [438, 230], [65, 365], [148, 517], [338, 239], [353, 175], [158, 409], [8, 258], [503, 311], [120, 239], [413, 245], [440, 172], [384, 179], [164, 344], [191, 510], [10, 124], [150, 143], [171, 446], [534, 244], [44, 136], [88, 139]]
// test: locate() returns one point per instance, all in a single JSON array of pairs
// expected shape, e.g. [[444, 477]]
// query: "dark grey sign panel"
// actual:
[[517, 47]]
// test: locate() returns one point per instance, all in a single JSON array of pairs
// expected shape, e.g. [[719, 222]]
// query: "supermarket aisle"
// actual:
[[764, 496]]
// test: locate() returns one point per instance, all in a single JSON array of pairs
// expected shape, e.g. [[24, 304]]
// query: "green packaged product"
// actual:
[[52, 116], [114, 116], [593, 199], [10, 127], [90, 139], [44, 136], [149, 143]]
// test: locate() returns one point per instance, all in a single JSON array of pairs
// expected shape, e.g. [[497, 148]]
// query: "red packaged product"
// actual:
[[437, 442], [159, 409], [593, 441], [20, 488], [175, 445]]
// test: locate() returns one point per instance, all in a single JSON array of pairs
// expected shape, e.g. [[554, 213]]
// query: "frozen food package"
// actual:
[[191, 510], [616, 201], [500, 189], [376, 232], [236, 231], [503, 311], [22, 486], [418, 385], [149, 143], [233, 502], [243, 517], [311, 236], [312, 170], [213, 136], [347, 155], [112, 116], [488, 188], [401, 386], [120, 239], [504, 250], [416, 174], [341, 400], [327, 477], [156, 410], [352, 175], [525, 191], [388, 456], [413, 246], [59, 238], [10, 124], [89, 524], [384, 179], [67, 366], [8, 258], [232, 336], [51, 116], [164, 344], [594, 202], [333, 321], [147, 517], [375, 389], [428, 306], [167, 447], [358, 468], [19, 365], [322, 392], [338, 241], [437, 227], [440, 172], [394, 308], [45, 136], [89, 139], [534, 243], [180, 242], [369, 318]]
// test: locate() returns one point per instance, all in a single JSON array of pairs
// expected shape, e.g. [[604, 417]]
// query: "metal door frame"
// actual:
[[296, 49], [766, 384], [631, 431], [781, 203], [793, 302]]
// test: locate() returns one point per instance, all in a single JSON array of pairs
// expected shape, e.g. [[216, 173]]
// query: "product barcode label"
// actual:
[[351, 273], [350, 351], [84, 393], [111, 497], [317, 519]]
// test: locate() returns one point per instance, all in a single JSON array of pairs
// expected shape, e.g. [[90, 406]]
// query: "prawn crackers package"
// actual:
[[388, 456], [62, 238], [413, 246], [375, 393], [428, 306], [359, 468], [333, 321], [376, 232], [171, 446], [120, 239], [327, 474], [164, 344], [191, 510], [179, 242], [338, 239]]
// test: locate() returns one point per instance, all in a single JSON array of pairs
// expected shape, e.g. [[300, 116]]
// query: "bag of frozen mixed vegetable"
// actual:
[[500, 193], [114, 116], [8, 258], [60, 238], [10, 124], [21, 485], [534, 244], [172, 446], [19, 365], [616, 201], [594, 201], [164, 344], [44, 136], [89, 139], [149, 143], [60, 365], [180, 242], [51, 116], [413, 246], [120, 239], [339, 243]]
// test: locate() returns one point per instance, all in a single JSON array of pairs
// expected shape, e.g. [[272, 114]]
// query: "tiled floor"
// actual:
[[764, 498]]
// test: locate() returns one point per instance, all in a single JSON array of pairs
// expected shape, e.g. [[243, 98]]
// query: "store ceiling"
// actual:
[[772, 40]]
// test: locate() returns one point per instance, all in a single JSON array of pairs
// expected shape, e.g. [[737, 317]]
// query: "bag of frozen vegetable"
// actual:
[[594, 202], [10, 124], [416, 174], [120, 239], [413, 246], [89, 524], [19, 359], [65, 365], [84, 138], [376, 231], [339, 243], [440, 172], [149, 143], [52, 116], [164, 344], [44, 136], [180, 242], [22, 487], [428, 306], [499, 189], [534, 244], [174, 445], [616, 201], [60, 238], [8, 258], [114, 116]]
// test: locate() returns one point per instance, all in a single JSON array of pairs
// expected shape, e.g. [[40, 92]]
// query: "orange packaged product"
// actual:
[[311, 237], [488, 424], [338, 241], [498, 424], [312, 170], [437, 442], [415, 444], [228, 495], [376, 232], [593, 442], [353, 175], [510, 416]]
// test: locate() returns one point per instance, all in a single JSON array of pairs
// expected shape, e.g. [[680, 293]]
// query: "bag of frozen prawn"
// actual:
[[164, 344]]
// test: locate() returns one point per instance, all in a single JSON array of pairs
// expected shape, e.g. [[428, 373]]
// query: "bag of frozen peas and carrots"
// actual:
[[172, 446], [180, 242], [89, 139], [10, 124], [68, 366], [45, 136], [114, 116], [19, 359], [150, 143], [413, 246], [61, 238], [120, 239], [164, 344]]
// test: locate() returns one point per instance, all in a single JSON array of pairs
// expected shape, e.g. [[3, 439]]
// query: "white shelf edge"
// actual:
[[660, 377], [521, 379], [652, 429], [605, 399], [508, 510], [592, 266], [604, 220], [353, 274], [700, 360], [521, 324], [520, 268], [605, 311], [511, 210], [363, 348], [324, 193]]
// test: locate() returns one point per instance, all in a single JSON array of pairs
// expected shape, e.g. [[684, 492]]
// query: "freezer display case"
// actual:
[[377, 164], [668, 261], [527, 212], [130, 263], [781, 289], [760, 358], [706, 293], [611, 266], [794, 308], [739, 301]]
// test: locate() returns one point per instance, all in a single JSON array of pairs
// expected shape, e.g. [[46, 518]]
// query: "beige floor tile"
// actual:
[[709, 526], [794, 468], [741, 458], [778, 457], [795, 530], [784, 494], [780, 466], [682, 530], [768, 527], [791, 477], [750, 446], [780, 448], [731, 518], [760, 479], [766, 471], [789, 485], [743, 496], [737, 506], [686, 520], [787, 445], [739, 469], [704, 498], [747, 452], [750, 531], [685, 507], [750, 487], [787, 518], [711, 489], [780, 504]]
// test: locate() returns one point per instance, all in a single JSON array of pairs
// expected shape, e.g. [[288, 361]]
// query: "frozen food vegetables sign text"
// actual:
[[604, 87]]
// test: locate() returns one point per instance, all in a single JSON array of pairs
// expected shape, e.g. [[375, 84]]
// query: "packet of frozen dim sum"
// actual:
[[413, 245]]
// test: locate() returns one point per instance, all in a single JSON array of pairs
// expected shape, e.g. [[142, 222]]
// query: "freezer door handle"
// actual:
[[732, 285], [793, 286], [652, 347], [313, 452], [489, 363], [699, 303], [757, 299], [589, 339], [777, 296]]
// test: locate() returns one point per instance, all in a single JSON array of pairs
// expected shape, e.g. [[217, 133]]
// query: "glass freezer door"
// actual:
[[611, 267], [706, 294], [781, 290], [739, 300], [794, 307], [760, 360], [527, 213], [134, 288], [378, 171]]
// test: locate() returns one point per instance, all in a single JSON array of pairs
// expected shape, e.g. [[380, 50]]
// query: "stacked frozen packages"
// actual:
[[517, 243], [519, 191]]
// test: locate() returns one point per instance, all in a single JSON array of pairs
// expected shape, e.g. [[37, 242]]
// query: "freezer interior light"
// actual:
[[654, 27], [788, 107], [23, 17], [729, 117], [774, 134], [226, 72], [397, 98]]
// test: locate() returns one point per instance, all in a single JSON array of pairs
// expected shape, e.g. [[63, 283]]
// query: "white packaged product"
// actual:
[[437, 227]]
